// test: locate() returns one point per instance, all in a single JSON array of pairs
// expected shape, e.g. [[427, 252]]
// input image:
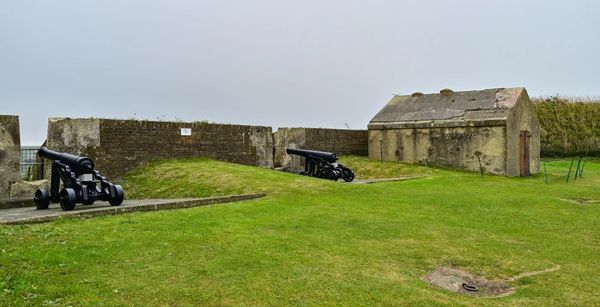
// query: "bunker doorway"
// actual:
[[524, 153]]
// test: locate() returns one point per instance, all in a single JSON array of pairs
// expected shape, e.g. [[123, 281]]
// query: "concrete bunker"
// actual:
[[494, 128]]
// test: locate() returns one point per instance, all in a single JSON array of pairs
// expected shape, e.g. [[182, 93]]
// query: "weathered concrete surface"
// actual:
[[117, 146], [457, 130], [339, 141], [449, 106], [76, 133], [446, 147], [31, 215], [289, 138], [27, 188], [10, 153]]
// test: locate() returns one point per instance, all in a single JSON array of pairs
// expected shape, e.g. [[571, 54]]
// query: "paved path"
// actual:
[[8, 203], [32, 215]]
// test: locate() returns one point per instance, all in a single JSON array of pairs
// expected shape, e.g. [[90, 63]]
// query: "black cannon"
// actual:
[[81, 183], [322, 164]]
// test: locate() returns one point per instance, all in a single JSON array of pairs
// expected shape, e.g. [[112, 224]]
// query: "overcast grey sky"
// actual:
[[281, 63]]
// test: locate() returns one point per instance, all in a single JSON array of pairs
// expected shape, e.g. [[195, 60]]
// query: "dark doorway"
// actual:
[[524, 153]]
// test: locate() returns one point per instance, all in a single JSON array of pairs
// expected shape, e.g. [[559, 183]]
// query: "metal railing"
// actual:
[[32, 167]]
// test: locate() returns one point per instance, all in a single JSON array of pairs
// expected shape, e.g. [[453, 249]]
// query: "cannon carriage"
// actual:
[[322, 164], [81, 183]]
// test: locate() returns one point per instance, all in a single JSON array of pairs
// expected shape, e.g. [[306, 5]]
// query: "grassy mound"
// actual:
[[315, 242], [201, 177]]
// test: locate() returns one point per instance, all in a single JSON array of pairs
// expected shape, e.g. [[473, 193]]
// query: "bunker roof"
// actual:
[[489, 107]]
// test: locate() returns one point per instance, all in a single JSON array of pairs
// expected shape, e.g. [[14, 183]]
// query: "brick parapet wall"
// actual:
[[118, 146], [341, 142]]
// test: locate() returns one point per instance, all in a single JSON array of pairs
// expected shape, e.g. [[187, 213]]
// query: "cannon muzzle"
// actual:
[[79, 164]]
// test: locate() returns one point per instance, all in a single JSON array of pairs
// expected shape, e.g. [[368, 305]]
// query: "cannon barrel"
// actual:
[[327, 156], [77, 163]]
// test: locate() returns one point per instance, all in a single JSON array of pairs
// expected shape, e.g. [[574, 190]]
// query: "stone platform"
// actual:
[[9, 203], [32, 215]]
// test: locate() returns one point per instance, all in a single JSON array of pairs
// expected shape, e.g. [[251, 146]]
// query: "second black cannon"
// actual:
[[322, 164]]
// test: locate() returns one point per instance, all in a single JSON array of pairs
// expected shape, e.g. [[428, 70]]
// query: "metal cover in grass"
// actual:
[[459, 281]]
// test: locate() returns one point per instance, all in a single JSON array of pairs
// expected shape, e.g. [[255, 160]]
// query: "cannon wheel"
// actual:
[[347, 174], [119, 196], [41, 199], [67, 199]]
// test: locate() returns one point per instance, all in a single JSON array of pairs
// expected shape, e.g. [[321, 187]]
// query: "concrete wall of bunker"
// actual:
[[455, 147]]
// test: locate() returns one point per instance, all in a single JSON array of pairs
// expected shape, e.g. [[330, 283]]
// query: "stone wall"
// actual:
[[339, 141], [118, 146], [452, 147], [10, 153]]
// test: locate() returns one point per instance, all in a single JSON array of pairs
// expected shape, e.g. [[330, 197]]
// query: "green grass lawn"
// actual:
[[315, 242]]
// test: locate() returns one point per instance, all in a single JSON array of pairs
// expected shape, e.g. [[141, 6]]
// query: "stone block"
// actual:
[[27, 188], [10, 153]]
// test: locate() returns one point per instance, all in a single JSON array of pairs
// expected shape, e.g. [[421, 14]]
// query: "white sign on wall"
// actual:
[[186, 131]]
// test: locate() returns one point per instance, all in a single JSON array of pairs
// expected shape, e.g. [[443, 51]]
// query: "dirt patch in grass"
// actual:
[[582, 201], [459, 281], [533, 273]]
